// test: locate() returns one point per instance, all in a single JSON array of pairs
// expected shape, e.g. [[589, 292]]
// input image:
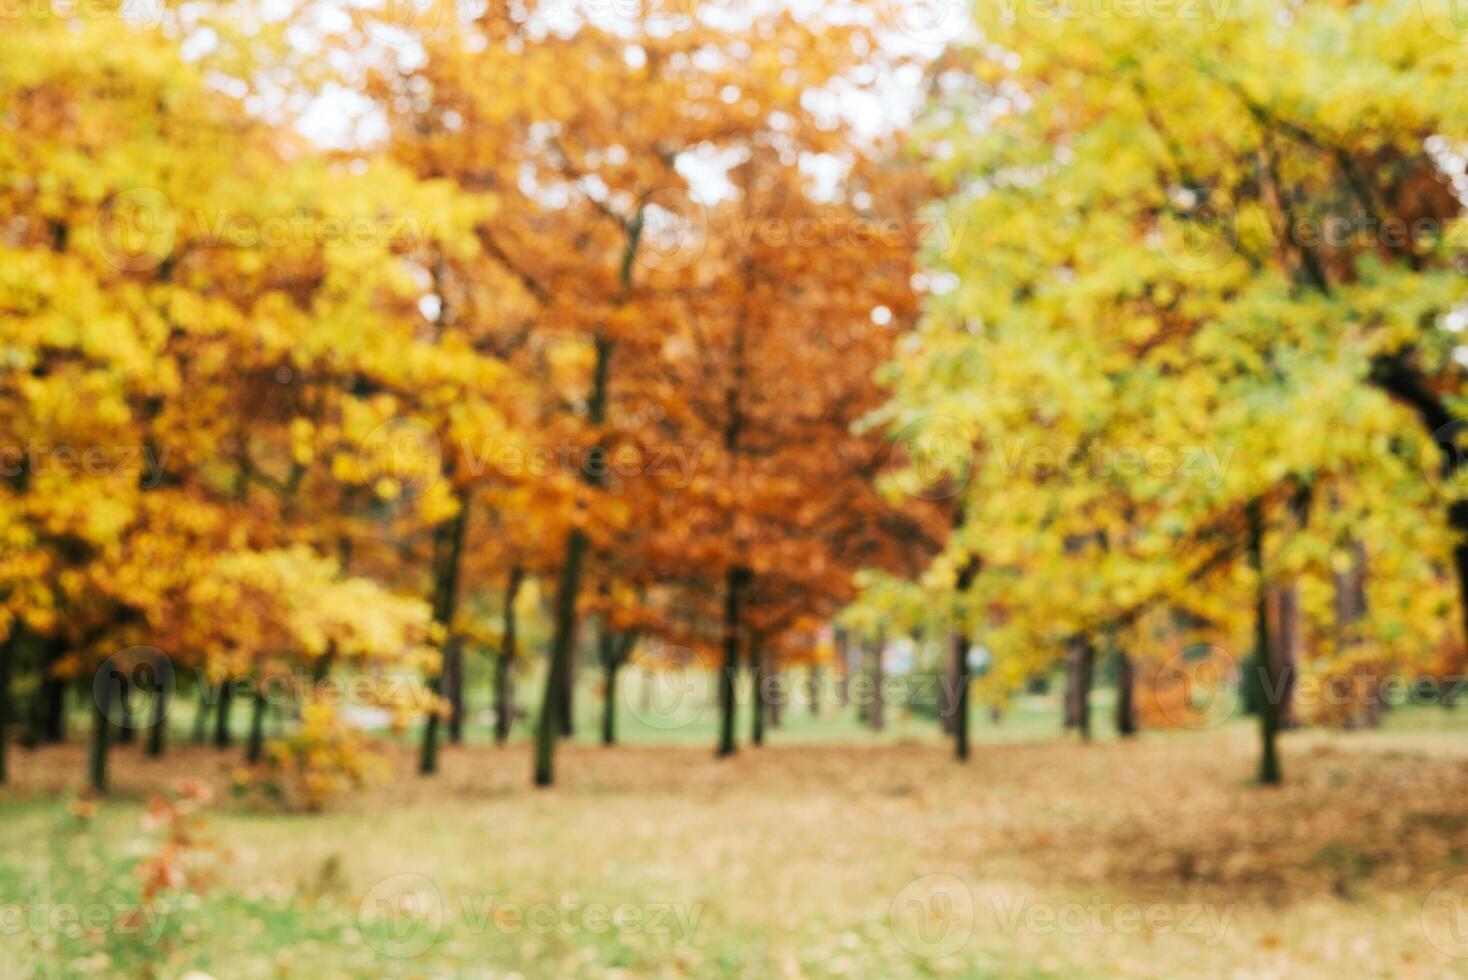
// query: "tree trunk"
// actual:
[[948, 690], [222, 735], [878, 714], [448, 554], [1397, 376], [816, 679], [1080, 672], [548, 726], [843, 655], [453, 678], [959, 696], [48, 705], [1126, 713], [609, 706], [757, 702], [733, 587], [1268, 679], [504, 702], [611, 661], [256, 747], [201, 716], [1287, 642], [7, 653], [127, 722], [101, 732], [158, 723], [567, 713], [775, 695]]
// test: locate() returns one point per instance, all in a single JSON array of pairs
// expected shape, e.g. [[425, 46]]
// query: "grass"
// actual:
[[832, 852]]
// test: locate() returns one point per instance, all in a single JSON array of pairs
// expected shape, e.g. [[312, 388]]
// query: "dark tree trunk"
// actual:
[[1268, 681], [106, 694], [1126, 713], [256, 747], [158, 722], [612, 650], [1080, 674], [1398, 377], [201, 717], [734, 583], [948, 690], [548, 726], [7, 654], [48, 707], [127, 722], [843, 655], [448, 554], [453, 679], [609, 706], [1286, 644], [816, 679], [878, 714], [567, 712], [959, 696], [774, 695], [757, 703], [504, 702], [223, 737]]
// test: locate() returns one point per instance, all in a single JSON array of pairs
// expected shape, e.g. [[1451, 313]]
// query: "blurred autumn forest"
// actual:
[[1018, 410], [679, 333], [369, 374]]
